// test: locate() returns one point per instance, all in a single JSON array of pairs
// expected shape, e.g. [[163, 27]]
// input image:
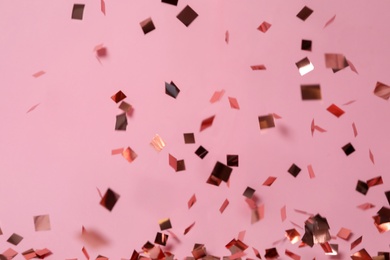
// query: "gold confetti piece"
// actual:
[[42, 223], [189, 138], [271, 253], [304, 66], [233, 103], [331, 20], [227, 36], [264, 27], [258, 67], [269, 181], [374, 181], [311, 171], [129, 154], [109, 199], [84, 250], [32, 108], [362, 187], [366, 206], [335, 110], [293, 235], [232, 160], [157, 143], [103, 7], [147, 25], [257, 214], [165, 224], [348, 149], [118, 97], [191, 201], [241, 235], [199, 251], [78, 11], [361, 255], [206, 123], [161, 239], [187, 16], [38, 74], [8, 254], [249, 192], [292, 255], [224, 206], [121, 122], [311, 92], [382, 90], [15, 239], [371, 156], [189, 228], [344, 233], [217, 96], [294, 170], [266, 121], [306, 45], [171, 89], [335, 61], [356, 242], [283, 213]]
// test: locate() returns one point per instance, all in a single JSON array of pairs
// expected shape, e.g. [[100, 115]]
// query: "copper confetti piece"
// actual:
[[366, 206], [304, 13], [217, 96], [374, 181], [269, 181], [189, 138], [382, 90], [356, 242], [161, 239], [227, 36], [171, 89], [283, 213], [224, 206], [109, 199], [331, 20], [264, 26], [189, 228], [371, 156], [311, 171], [258, 67], [15, 239], [304, 66], [42, 223], [171, 2], [387, 194], [249, 192], [78, 11], [361, 255], [118, 97], [84, 250], [199, 251], [8, 254], [38, 74], [353, 68], [187, 16], [271, 253], [344, 233], [293, 235], [362, 187], [129, 154], [121, 122], [165, 224], [294, 170], [147, 25], [201, 152], [233, 103], [157, 143], [191, 201], [335, 110], [311, 92], [32, 108], [292, 255], [266, 121], [241, 235], [335, 61], [103, 7], [232, 160], [206, 123], [348, 149], [306, 45], [355, 132]]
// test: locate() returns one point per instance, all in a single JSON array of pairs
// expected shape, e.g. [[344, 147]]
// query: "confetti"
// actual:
[[189, 138], [191, 201], [233, 103], [206, 123], [264, 26], [258, 67], [306, 45], [189, 228], [266, 121], [15, 239], [269, 181], [335, 110], [374, 181], [147, 25], [42, 223], [201, 152], [356, 242], [38, 74], [348, 149], [161, 239], [344, 233], [335, 61], [362, 187], [109, 199], [271, 253], [118, 97], [331, 20], [171, 2], [171, 89], [382, 90], [78, 11], [311, 92], [283, 213], [304, 66], [157, 143], [293, 235], [355, 133], [165, 224], [217, 96], [361, 255], [249, 192], [224, 206], [129, 154], [292, 255], [187, 15], [294, 170], [232, 160]]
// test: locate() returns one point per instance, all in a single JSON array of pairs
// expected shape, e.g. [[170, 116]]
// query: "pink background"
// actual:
[[54, 157]]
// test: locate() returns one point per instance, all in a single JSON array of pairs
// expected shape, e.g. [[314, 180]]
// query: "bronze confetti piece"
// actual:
[[15, 239], [217, 96], [129, 154], [258, 67], [233, 103], [266, 121], [38, 74], [311, 171], [117, 151], [42, 223], [189, 138], [78, 11], [371, 156], [271, 253], [374, 181], [269, 181], [227, 36], [157, 143], [331, 20], [109, 199], [292, 255], [382, 90], [224, 206], [304, 66], [189, 228], [161, 239], [32, 108], [147, 25], [366, 206], [165, 224], [356, 242], [206, 123], [283, 213], [84, 250], [335, 110], [361, 255], [118, 97], [344, 233], [311, 92], [187, 16], [264, 26], [191, 201], [293, 235]]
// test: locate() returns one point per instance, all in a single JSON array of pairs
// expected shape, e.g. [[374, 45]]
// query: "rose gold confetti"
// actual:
[[157, 143], [264, 26], [292, 255], [293, 235], [42, 223], [224, 206], [366, 206], [258, 67], [32, 108], [129, 154], [241, 235], [353, 68], [85, 253], [356, 242], [331, 20], [361, 255], [283, 213], [344, 233], [311, 171], [269, 181], [217, 96], [233, 103], [335, 110], [119, 96], [371, 156], [227, 36], [374, 181], [191, 201], [206, 123], [355, 132], [38, 74], [103, 7]]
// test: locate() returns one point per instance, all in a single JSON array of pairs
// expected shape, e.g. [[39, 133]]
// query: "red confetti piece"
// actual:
[[355, 132], [38, 74], [311, 171], [331, 20], [207, 123], [371, 156], [224, 206], [283, 213], [233, 103]]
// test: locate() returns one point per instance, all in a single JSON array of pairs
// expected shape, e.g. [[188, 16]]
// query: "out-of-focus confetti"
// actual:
[[304, 13], [191, 201], [266, 121], [264, 27], [206, 123], [366, 206], [189, 138], [382, 90], [306, 45], [348, 149], [189, 228], [292, 255], [311, 92], [293, 235], [157, 143], [356, 242], [232, 160], [165, 224], [118, 97], [109, 199], [103, 7], [171, 89], [217, 96], [382, 220], [15, 239], [129, 154], [249, 192], [171, 2], [78, 11], [42, 223], [38, 74], [355, 132], [362, 187], [161, 239], [177, 165], [271, 253], [294, 170], [283, 213], [335, 61], [269, 181], [335, 110], [361, 255], [224, 206], [316, 231], [32, 108], [371, 156], [147, 25], [233, 103], [201, 152], [331, 20], [344, 233], [187, 15], [304, 66], [374, 181], [85, 252]]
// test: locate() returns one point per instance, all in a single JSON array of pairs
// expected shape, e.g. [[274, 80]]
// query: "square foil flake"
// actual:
[[362, 187], [171, 89], [78, 11], [165, 224], [382, 90], [266, 121], [311, 92], [264, 26], [15, 239], [147, 25], [109, 199], [189, 138], [304, 13], [306, 45], [232, 160], [187, 15], [348, 149], [201, 152], [335, 110], [294, 170], [304, 66]]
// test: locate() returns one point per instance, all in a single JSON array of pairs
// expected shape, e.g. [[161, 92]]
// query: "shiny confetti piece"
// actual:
[[283, 213], [292, 255], [161, 239], [348, 149], [191, 201], [227, 37], [382, 90], [258, 67], [269, 181], [129, 154], [221, 171], [249, 192], [189, 228], [271, 253], [224, 206], [199, 251], [42, 223], [32, 108], [206, 123], [344, 233], [103, 7], [121, 122], [335, 61], [171, 2], [361, 255], [331, 20], [157, 143], [371, 156], [294, 170], [366, 206], [15, 239], [355, 132], [311, 171], [257, 214], [233, 103], [362, 187], [232, 160], [165, 224], [85, 252], [126, 107], [293, 235], [264, 27], [217, 96], [266, 121], [109, 199], [147, 25], [335, 110], [356, 242], [306, 45], [304, 66], [374, 181], [187, 15], [387, 194], [201, 152], [189, 138], [78, 11], [118, 97], [171, 89], [8, 254], [38, 74], [311, 92]]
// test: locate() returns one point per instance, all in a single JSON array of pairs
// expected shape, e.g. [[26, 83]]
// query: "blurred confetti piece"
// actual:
[[311, 171], [42, 223], [147, 25], [335, 61], [271, 253], [366, 206], [171, 89], [157, 143], [165, 224], [129, 154], [224, 206], [382, 90], [189, 228], [361, 255], [311, 92], [304, 13], [84, 250], [227, 36], [233, 103], [283, 213], [387, 194], [171, 2], [353, 68], [362, 187], [335, 110], [33, 108], [258, 67], [344, 233], [266, 121], [217, 96], [293, 235], [348, 149], [161, 239], [374, 181], [177, 165], [189, 138], [292, 255], [15, 239], [78, 11], [38, 74], [201, 152], [121, 122], [232, 160], [249, 192], [8, 254], [118, 97], [109, 199], [304, 66], [306, 45], [206, 123], [356, 242], [355, 132], [294, 170], [371, 156], [264, 26], [269, 181], [191, 201], [331, 20], [103, 7], [187, 15]]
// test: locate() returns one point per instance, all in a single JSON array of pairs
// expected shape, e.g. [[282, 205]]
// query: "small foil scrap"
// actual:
[[258, 67], [266, 121], [199, 251], [249, 192], [382, 90], [344, 233], [171, 2], [189, 228], [42, 223], [187, 15], [366, 206], [224, 206], [165, 224], [292, 255], [316, 231], [335, 61], [304, 66], [161, 239], [331, 20], [189, 138], [171, 89], [38, 74], [157, 143], [118, 97], [129, 154], [217, 96], [306, 45], [121, 122], [206, 123], [293, 235], [294, 170], [374, 181], [15, 239], [382, 220], [283, 213], [201, 152], [78, 11], [177, 165], [147, 25], [232, 160], [269, 181], [304, 13], [233, 103], [348, 149], [271, 253], [191, 201], [361, 255], [311, 92], [335, 110], [362, 187], [109, 199], [264, 26], [356, 242]]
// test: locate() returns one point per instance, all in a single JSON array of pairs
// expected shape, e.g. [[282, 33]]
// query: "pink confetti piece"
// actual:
[[331, 20], [233, 103], [103, 7], [33, 108], [241, 235], [353, 68], [38, 74], [217, 96], [224, 206], [227, 36], [355, 132], [371, 156], [283, 213], [311, 171]]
